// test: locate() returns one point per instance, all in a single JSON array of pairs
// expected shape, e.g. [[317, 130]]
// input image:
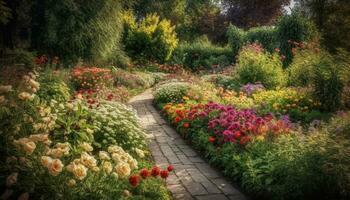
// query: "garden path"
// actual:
[[192, 178]]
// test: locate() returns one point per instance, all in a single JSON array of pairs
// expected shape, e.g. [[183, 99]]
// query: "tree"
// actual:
[[72, 29], [251, 13], [332, 18]]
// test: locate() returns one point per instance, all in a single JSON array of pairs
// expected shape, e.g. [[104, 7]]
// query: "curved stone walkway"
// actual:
[[193, 178]]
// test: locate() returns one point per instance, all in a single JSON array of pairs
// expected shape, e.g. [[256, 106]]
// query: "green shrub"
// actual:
[[53, 87], [72, 30], [224, 81], [257, 65], [152, 38], [236, 38], [264, 35], [294, 28], [17, 57], [202, 55], [171, 92], [302, 68], [327, 83]]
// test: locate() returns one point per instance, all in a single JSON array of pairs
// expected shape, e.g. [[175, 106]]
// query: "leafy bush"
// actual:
[[71, 30], [327, 83], [152, 38], [171, 92], [339, 124], [264, 35], [224, 81], [236, 38], [17, 57], [53, 87], [324, 72], [257, 65], [202, 55], [301, 70], [294, 28]]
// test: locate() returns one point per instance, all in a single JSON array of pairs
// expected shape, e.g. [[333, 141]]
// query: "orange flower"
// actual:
[[186, 125]]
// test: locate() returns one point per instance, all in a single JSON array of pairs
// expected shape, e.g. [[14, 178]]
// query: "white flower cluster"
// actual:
[[118, 125]]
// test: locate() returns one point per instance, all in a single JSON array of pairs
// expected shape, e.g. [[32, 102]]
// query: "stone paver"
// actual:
[[193, 178]]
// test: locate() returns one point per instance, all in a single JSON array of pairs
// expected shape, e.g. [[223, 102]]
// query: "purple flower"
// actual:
[[250, 88]]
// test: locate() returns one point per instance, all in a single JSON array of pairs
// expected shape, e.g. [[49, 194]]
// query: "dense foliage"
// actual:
[[201, 55], [257, 65], [151, 39], [268, 155]]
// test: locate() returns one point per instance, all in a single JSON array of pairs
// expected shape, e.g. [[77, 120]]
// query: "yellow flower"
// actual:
[[117, 158], [46, 160], [123, 169], [34, 84], [126, 193], [25, 96], [5, 88], [140, 153], [185, 98], [133, 163], [79, 170], [88, 161], [260, 138], [86, 146], [104, 155], [39, 137], [95, 169], [56, 153], [55, 167], [29, 147], [107, 167], [115, 149], [71, 183]]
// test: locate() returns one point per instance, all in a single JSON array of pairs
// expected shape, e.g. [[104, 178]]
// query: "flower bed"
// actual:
[[262, 150], [71, 148]]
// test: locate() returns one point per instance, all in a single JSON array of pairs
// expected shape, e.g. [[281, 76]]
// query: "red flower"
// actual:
[[177, 119], [134, 180], [155, 171], [144, 173], [186, 125], [237, 134], [244, 140], [164, 174], [211, 139], [170, 168], [110, 97]]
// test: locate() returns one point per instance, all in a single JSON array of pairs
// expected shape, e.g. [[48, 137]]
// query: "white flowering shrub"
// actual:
[[171, 92], [115, 123]]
